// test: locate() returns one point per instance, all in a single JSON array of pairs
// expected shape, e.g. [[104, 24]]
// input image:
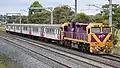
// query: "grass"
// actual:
[[2, 66], [2, 27], [5, 61], [118, 34], [116, 50]]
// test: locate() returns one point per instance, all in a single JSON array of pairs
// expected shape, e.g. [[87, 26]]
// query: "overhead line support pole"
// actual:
[[75, 7], [110, 12]]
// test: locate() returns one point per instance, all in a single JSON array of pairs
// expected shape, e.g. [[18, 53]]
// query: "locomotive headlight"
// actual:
[[108, 40]]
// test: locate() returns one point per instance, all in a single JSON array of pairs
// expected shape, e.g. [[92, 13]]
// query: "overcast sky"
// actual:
[[17, 5]]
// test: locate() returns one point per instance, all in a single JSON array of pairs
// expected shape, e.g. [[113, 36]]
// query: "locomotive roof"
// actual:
[[92, 24], [82, 23]]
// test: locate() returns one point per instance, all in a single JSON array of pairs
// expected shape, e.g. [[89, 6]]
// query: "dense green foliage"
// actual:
[[40, 17], [81, 17], [62, 14]]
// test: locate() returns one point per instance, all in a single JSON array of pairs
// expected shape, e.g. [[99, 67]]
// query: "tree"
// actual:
[[115, 12], [81, 17], [99, 18], [24, 19], [35, 4], [40, 17], [62, 14], [11, 19]]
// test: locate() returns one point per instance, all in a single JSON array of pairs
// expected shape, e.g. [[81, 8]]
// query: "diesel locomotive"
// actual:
[[90, 37], [93, 37]]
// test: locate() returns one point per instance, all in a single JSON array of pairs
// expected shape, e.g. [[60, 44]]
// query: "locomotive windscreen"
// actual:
[[106, 29], [95, 30]]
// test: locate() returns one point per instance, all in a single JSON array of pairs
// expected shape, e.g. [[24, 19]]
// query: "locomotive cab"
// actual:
[[99, 38]]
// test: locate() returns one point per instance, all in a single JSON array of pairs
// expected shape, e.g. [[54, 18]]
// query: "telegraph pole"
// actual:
[[110, 12], [51, 15], [20, 18]]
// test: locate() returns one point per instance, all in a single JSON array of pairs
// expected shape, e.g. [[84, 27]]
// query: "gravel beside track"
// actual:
[[19, 56]]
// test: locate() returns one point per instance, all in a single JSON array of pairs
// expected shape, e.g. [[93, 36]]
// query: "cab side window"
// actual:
[[88, 31]]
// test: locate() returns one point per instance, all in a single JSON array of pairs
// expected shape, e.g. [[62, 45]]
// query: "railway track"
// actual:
[[69, 64], [111, 57], [35, 53], [104, 60]]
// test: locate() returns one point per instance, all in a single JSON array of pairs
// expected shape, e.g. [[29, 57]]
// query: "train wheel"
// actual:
[[80, 47], [87, 48], [84, 48], [68, 44], [60, 42]]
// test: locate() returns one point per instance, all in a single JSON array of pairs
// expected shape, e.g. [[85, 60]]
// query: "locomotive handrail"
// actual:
[[80, 36]]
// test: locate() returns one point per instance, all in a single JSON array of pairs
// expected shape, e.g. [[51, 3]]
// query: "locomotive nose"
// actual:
[[100, 43]]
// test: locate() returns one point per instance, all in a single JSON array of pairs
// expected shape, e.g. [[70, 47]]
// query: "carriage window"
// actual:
[[53, 30], [17, 27], [46, 30], [11, 27], [50, 30], [35, 29], [95, 30], [25, 28], [106, 29]]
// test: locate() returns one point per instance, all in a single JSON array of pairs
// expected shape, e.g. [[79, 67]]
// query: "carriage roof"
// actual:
[[45, 25]]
